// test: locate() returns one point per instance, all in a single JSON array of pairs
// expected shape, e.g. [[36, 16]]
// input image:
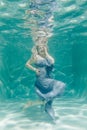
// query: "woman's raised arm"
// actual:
[[49, 57]]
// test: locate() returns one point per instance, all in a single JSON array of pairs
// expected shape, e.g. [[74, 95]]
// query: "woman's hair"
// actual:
[[34, 51], [36, 48]]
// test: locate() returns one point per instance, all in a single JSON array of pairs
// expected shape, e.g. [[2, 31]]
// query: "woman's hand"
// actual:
[[37, 71]]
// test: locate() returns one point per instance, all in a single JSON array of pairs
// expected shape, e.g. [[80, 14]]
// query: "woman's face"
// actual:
[[41, 50]]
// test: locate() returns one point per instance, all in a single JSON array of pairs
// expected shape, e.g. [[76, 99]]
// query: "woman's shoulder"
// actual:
[[38, 57]]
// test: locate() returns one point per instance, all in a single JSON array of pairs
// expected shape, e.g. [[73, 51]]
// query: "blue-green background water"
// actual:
[[68, 46]]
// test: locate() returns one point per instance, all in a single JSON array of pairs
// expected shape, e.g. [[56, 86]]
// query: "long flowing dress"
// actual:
[[46, 87]]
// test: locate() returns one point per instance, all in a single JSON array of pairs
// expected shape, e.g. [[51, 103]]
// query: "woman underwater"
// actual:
[[46, 87]]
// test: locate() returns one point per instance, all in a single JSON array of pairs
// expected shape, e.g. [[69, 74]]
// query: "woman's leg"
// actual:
[[48, 96], [48, 103], [41, 95], [49, 109]]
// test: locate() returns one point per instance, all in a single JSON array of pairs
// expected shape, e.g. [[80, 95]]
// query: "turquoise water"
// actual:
[[67, 44]]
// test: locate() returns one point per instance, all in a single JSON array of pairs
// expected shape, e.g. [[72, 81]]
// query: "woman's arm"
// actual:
[[29, 64], [49, 57]]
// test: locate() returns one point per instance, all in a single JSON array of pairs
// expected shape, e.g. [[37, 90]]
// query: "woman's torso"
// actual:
[[44, 65], [43, 81]]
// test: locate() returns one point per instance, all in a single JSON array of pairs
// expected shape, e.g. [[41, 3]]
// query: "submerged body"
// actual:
[[46, 87]]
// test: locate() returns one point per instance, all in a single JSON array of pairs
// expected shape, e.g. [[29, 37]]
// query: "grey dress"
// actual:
[[47, 88]]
